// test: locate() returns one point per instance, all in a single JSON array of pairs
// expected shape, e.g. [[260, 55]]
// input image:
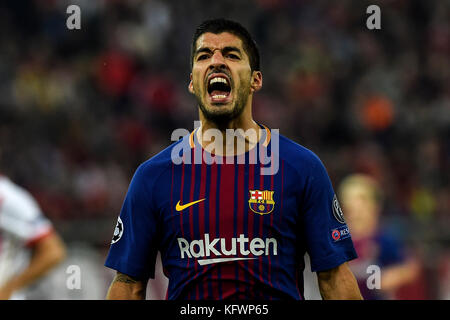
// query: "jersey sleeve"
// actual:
[[134, 244], [327, 237], [21, 216]]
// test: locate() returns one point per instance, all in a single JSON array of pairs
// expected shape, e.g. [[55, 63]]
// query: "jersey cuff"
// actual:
[[43, 234], [130, 270], [332, 261]]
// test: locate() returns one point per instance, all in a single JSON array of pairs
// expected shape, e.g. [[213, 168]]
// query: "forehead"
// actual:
[[218, 41], [357, 191]]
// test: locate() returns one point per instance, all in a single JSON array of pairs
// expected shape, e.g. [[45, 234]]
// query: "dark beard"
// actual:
[[222, 119]]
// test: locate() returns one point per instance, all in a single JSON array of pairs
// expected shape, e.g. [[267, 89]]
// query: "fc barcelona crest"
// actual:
[[261, 202]]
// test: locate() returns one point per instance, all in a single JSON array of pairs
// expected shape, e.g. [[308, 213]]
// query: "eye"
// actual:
[[202, 57], [232, 56]]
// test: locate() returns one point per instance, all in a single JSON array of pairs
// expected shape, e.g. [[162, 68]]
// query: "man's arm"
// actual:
[[393, 277], [46, 254], [338, 284], [124, 287]]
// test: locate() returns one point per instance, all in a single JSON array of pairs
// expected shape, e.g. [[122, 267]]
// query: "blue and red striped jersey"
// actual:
[[234, 228]]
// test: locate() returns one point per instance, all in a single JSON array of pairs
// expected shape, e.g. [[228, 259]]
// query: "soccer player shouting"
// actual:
[[227, 225]]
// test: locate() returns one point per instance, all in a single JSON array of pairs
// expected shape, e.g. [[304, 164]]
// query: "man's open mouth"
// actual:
[[219, 88]]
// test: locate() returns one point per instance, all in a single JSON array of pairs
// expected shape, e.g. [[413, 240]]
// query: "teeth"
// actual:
[[218, 79], [219, 96]]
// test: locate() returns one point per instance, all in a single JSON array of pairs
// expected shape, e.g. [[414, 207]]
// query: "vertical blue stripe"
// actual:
[[187, 224], [265, 220], [256, 221], [197, 235], [207, 195], [219, 166], [235, 216], [245, 222], [276, 212]]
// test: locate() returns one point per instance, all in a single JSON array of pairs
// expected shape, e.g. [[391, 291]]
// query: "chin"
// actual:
[[220, 117], [220, 113], [219, 109]]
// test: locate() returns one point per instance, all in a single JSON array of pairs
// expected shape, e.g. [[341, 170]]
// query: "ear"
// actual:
[[256, 81], [191, 85]]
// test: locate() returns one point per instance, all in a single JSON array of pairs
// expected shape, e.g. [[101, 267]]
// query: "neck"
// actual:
[[234, 137]]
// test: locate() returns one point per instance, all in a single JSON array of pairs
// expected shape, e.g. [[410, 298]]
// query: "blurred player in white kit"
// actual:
[[29, 246]]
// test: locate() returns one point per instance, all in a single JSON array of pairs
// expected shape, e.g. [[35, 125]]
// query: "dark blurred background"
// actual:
[[81, 109]]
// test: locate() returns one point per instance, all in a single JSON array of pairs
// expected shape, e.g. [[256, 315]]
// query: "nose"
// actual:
[[217, 60]]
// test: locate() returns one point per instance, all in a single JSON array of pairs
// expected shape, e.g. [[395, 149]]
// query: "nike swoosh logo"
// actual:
[[180, 207]]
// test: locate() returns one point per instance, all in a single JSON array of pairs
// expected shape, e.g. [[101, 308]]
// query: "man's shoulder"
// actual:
[[6, 183], [16, 201], [164, 159], [296, 154], [10, 189]]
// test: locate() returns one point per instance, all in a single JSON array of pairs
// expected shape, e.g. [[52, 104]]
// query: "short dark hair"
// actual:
[[217, 26]]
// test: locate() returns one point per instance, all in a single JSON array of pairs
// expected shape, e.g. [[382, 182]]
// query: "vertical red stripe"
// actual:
[[226, 227], [271, 219], [251, 214], [201, 213], [201, 208], [226, 205], [240, 213], [261, 225], [181, 197], [212, 222]]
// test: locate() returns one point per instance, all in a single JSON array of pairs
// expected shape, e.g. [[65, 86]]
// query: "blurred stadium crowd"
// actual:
[[80, 109]]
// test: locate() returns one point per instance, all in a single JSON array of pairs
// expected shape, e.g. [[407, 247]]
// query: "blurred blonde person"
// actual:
[[29, 246], [361, 199]]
